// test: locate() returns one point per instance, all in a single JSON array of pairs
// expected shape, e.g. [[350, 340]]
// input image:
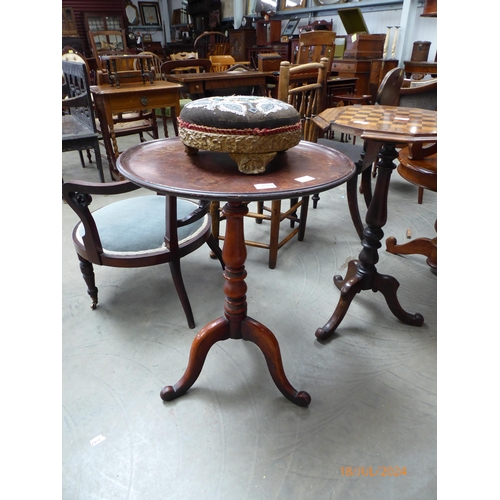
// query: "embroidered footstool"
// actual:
[[251, 129]]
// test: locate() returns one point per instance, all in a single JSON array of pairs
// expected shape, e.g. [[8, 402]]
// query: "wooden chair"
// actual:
[[71, 54], [387, 93], [421, 95], [79, 131], [314, 45], [108, 42], [212, 43], [308, 100], [180, 56], [157, 61], [221, 62], [137, 232], [164, 114], [183, 66], [418, 165]]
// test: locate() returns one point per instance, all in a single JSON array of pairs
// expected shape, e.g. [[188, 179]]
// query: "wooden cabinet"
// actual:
[[205, 15], [69, 27], [368, 72], [241, 40], [268, 32], [283, 49]]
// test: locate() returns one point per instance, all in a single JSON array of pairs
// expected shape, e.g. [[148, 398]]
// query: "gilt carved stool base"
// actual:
[[251, 129]]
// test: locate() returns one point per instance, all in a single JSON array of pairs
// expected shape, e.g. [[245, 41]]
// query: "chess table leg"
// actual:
[[235, 323], [362, 273]]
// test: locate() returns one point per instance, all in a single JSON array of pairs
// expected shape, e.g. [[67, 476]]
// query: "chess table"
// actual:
[[389, 126]]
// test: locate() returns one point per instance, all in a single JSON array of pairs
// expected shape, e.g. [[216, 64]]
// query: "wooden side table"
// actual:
[[164, 167], [388, 126], [130, 97]]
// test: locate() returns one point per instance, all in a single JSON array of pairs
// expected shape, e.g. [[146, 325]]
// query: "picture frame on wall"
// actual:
[[292, 4], [150, 13], [290, 27]]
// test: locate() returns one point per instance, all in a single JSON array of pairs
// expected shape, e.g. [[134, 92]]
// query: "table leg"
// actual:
[[362, 273], [108, 135], [363, 171], [235, 324]]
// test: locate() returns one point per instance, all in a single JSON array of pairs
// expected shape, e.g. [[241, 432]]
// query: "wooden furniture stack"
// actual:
[[363, 54]]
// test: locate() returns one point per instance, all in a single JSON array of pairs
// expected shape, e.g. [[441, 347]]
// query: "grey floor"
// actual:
[[370, 430]]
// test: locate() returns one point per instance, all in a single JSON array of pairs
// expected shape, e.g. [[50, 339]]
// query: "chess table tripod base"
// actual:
[[235, 324], [362, 273]]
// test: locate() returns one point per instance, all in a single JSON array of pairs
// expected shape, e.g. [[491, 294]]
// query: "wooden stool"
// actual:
[[418, 165]]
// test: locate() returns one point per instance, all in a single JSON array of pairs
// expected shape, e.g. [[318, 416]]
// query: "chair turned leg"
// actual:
[[216, 250], [315, 199], [175, 269], [87, 271], [420, 195], [274, 233], [82, 161], [164, 121], [98, 160], [173, 115], [215, 214], [303, 218], [260, 210], [293, 215]]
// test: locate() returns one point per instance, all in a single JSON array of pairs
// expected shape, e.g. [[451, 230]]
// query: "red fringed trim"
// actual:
[[232, 131]]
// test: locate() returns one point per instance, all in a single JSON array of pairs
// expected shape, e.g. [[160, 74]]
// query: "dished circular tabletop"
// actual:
[[164, 166]]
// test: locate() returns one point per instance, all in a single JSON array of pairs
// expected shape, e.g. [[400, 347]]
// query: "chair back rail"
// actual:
[[307, 98], [314, 45]]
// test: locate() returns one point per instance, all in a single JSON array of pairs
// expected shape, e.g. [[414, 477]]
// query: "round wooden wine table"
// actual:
[[164, 167]]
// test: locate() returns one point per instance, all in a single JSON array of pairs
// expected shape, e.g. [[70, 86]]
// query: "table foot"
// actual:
[[349, 287], [388, 286], [265, 340], [357, 280], [206, 338]]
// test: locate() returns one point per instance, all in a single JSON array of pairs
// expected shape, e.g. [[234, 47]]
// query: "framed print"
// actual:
[[290, 27], [292, 4], [257, 6], [150, 13]]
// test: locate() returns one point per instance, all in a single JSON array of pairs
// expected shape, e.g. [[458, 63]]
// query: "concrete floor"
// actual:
[[233, 435]]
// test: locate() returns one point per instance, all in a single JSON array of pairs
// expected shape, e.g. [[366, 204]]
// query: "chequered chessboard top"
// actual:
[[385, 119]]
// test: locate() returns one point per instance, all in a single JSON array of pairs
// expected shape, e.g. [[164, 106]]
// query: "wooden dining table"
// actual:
[[202, 84]]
